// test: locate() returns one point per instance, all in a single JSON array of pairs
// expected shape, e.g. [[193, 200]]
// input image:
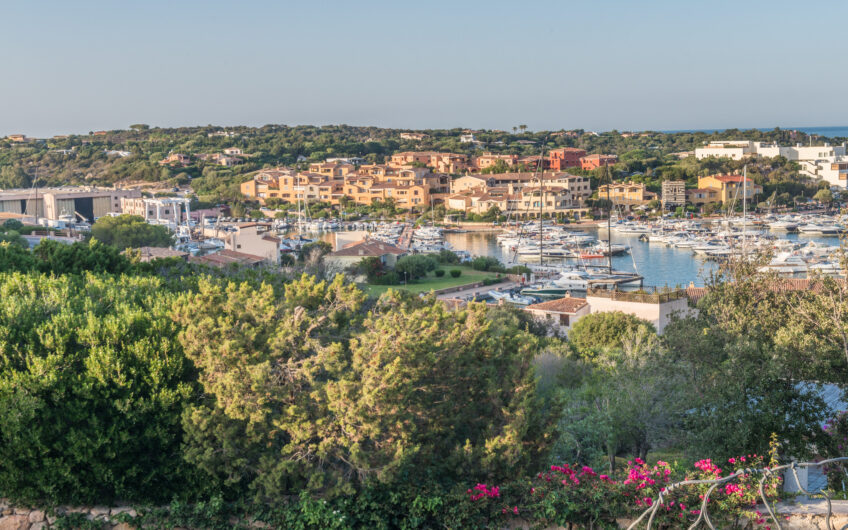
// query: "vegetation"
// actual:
[[300, 401], [84, 159], [130, 231]]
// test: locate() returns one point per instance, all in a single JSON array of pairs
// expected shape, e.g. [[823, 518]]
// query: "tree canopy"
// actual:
[[130, 231]]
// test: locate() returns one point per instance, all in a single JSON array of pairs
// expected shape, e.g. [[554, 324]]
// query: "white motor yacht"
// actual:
[[786, 263]]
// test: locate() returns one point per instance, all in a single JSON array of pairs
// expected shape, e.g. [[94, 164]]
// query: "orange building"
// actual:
[[332, 170], [595, 161], [488, 160], [439, 162], [565, 157]]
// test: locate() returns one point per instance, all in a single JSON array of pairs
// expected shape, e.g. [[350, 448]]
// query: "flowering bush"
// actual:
[[832, 443], [727, 503], [578, 495]]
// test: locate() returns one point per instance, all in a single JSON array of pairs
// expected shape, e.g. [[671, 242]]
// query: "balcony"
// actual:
[[647, 295]]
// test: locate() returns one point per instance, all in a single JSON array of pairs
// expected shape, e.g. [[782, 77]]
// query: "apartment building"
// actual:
[[255, 239], [595, 161], [488, 160], [739, 149], [626, 194], [452, 163], [409, 187], [730, 187], [833, 170], [166, 210], [703, 196], [673, 193], [332, 170], [565, 157]]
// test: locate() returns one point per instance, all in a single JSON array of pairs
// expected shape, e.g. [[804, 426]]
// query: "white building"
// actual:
[[733, 149], [169, 211], [739, 149], [833, 170]]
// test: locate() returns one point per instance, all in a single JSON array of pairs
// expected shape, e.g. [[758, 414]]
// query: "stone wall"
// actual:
[[21, 518], [799, 515]]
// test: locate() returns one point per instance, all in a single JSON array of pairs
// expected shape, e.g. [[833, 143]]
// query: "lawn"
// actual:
[[431, 282]]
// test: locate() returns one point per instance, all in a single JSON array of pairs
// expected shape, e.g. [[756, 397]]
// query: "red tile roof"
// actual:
[[560, 305], [368, 249], [227, 257]]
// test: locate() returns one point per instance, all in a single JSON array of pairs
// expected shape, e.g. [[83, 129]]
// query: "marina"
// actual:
[[664, 253]]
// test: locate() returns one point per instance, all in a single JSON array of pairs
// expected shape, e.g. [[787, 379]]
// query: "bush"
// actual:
[[605, 330], [447, 257], [130, 231], [439, 273], [455, 273], [519, 269], [14, 224], [105, 423], [386, 278], [415, 266], [486, 263], [492, 281]]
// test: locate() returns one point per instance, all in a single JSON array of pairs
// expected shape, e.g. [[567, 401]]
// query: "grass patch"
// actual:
[[431, 282]]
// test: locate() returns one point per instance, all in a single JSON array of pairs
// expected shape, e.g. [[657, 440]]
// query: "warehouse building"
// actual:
[[64, 203]]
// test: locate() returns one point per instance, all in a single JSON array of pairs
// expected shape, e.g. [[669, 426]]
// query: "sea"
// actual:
[[836, 131]]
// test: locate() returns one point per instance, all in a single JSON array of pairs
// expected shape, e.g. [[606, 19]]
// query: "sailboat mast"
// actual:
[[744, 209], [541, 205], [609, 221]]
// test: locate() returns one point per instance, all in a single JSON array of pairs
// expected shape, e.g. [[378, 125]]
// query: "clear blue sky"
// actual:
[[601, 64]]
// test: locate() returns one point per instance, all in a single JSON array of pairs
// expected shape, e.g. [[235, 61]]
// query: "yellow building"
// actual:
[[730, 187], [630, 193]]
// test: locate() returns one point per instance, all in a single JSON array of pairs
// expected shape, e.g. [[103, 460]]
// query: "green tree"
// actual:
[[130, 231], [824, 196], [415, 266], [605, 330], [92, 387]]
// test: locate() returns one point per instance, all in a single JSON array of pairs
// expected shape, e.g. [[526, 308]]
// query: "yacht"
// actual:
[[786, 263], [816, 229], [511, 298], [783, 226]]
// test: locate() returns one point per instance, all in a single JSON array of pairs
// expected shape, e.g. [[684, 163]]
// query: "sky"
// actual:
[[74, 67]]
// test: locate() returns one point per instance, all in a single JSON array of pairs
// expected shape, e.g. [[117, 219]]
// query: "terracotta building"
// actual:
[[565, 157], [595, 161]]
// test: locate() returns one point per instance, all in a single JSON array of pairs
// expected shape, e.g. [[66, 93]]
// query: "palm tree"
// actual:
[[514, 130], [522, 127]]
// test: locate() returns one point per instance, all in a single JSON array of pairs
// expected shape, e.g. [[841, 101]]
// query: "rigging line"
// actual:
[[527, 209]]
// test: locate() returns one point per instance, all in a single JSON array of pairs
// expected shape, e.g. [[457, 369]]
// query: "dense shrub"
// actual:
[[92, 387], [447, 257], [491, 281], [386, 278], [439, 273], [605, 330], [487, 263], [415, 266], [455, 273], [519, 269], [130, 231], [254, 427]]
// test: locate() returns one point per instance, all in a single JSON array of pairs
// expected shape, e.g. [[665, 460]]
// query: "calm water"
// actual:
[[830, 132], [659, 264]]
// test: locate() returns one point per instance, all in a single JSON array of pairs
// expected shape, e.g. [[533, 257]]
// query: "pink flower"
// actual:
[[515, 510], [731, 460]]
